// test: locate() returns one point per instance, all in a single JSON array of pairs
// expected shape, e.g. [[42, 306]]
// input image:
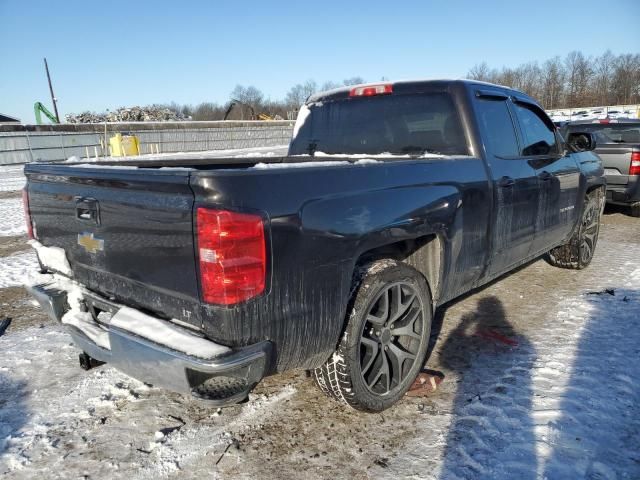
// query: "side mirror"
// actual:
[[581, 142]]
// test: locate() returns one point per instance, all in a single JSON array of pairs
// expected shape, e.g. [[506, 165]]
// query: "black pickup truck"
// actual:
[[204, 276]]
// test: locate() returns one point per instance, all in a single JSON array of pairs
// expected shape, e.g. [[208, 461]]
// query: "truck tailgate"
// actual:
[[127, 233], [616, 160]]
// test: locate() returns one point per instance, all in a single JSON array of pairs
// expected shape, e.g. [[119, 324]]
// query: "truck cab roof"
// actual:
[[416, 86]]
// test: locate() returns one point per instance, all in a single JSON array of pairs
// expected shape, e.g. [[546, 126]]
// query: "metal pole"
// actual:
[[53, 97]]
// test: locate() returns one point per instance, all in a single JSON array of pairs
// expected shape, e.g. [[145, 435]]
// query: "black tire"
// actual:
[[578, 252], [635, 209], [391, 308]]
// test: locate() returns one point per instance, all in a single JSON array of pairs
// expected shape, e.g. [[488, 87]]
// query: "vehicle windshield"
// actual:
[[414, 124], [611, 132]]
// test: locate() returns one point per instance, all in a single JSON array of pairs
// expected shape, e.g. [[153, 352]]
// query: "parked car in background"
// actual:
[[580, 115], [618, 145], [559, 117]]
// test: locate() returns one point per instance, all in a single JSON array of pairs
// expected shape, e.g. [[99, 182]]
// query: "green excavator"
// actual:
[[39, 109]]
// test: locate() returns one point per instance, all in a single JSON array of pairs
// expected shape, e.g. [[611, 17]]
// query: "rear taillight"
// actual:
[[371, 90], [232, 255], [634, 168], [27, 213]]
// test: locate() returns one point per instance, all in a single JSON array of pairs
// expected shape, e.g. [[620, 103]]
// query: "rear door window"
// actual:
[[538, 133], [499, 131]]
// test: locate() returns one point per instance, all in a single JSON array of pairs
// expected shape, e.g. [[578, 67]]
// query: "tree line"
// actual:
[[249, 101], [573, 81]]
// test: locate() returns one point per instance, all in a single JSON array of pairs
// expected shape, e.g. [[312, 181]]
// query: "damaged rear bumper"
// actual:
[[223, 379]]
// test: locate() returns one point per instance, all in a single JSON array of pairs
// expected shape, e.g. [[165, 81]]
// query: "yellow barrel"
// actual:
[[124, 145]]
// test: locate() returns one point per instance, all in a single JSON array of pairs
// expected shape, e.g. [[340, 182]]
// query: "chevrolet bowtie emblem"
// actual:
[[89, 243]]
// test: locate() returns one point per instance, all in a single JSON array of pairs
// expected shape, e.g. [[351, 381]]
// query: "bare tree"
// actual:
[[353, 81], [329, 86], [480, 72], [626, 79], [553, 76], [604, 66], [249, 95], [297, 95], [530, 75]]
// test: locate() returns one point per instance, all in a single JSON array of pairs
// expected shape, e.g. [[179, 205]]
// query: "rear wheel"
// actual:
[[385, 342], [635, 209], [579, 251]]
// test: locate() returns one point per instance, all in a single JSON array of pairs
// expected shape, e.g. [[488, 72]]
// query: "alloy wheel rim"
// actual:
[[590, 231], [391, 337]]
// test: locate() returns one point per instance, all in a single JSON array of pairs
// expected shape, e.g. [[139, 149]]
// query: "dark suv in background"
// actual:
[[618, 145]]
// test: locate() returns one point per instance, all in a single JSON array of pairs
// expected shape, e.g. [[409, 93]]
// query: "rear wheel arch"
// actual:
[[424, 253], [597, 186]]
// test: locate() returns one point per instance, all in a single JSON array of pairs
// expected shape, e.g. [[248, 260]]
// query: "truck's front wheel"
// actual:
[[579, 251], [385, 341]]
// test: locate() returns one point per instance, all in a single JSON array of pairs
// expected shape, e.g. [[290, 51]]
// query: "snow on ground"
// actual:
[[48, 409], [18, 269], [11, 177], [562, 404], [541, 381], [12, 217]]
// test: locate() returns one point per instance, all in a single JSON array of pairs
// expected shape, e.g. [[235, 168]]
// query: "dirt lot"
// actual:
[[541, 380]]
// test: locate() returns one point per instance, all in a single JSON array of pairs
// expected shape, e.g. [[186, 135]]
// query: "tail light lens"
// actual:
[[232, 255], [371, 90], [27, 213], [634, 169]]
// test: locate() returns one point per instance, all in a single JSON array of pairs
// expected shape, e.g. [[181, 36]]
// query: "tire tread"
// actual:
[[568, 255], [332, 378]]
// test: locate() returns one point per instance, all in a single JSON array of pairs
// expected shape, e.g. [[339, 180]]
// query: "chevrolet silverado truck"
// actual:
[[204, 276], [618, 145]]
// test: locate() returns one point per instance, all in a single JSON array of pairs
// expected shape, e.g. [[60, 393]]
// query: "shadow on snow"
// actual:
[[13, 415], [595, 432]]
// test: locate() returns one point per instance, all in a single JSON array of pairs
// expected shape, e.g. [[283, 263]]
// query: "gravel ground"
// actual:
[[541, 381]]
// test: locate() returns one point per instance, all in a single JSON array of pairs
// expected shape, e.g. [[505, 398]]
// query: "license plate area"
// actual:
[[101, 310]]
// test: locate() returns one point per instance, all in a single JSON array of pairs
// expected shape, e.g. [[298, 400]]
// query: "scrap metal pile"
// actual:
[[128, 114]]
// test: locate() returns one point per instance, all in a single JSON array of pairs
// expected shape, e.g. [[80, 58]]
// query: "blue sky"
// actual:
[[110, 54]]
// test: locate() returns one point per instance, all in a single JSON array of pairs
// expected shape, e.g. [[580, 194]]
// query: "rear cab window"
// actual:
[[399, 124], [610, 133]]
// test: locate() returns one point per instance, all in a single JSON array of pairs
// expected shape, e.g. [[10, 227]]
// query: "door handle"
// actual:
[[506, 182], [545, 176]]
